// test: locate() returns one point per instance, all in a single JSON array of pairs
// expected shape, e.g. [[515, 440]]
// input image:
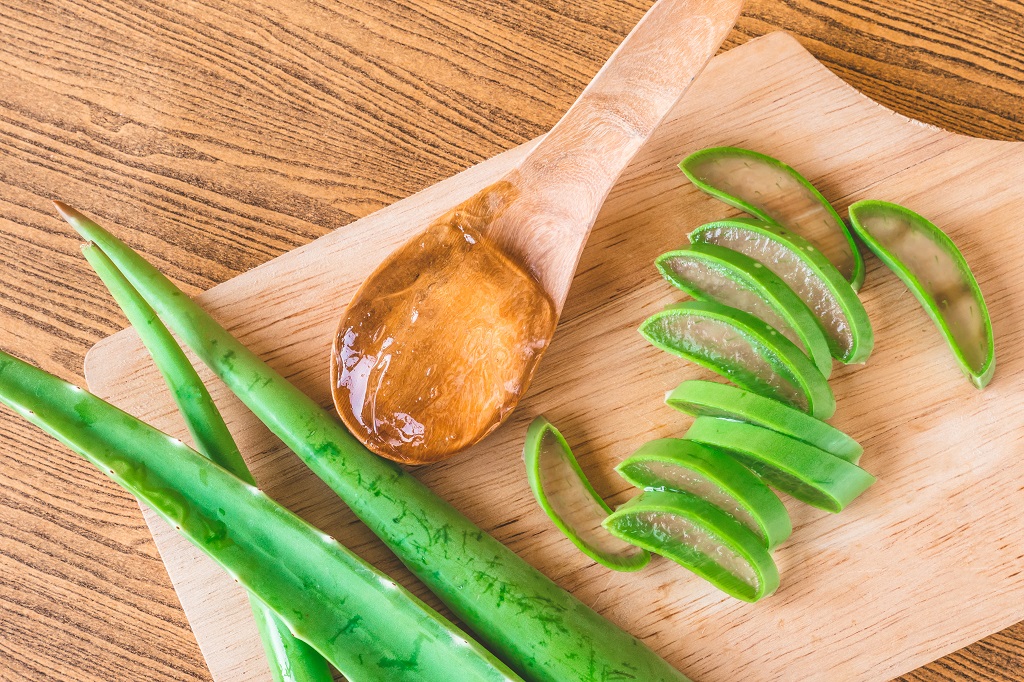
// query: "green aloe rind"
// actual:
[[290, 659], [706, 398], [935, 271], [648, 521], [843, 252], [574, 488], [845, 324], [366, 625], [786, 373], [682, 466], [807, 473], [711, 272], [541, 630]]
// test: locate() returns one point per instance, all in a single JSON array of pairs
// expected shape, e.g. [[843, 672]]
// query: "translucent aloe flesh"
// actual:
[[678, 465], [935, 271], [807, 473], [572, 504], [701, 538], [290, 659], [366, 625], [733, 279], [510, 605], [706, 398], [772, 191], [808, 273], [744, 349]]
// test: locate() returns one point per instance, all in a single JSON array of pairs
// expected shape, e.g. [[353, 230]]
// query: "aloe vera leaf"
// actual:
[[683, 466], [541, 630], [367, 626], [290, 659], [743, 349], [737, 280], [706, 398], [807, 473], [935, 271], [572, 504], [700, 537], [774, 192], [814, 279]]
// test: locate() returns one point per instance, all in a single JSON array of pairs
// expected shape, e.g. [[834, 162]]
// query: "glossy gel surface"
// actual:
[[572, 504], [792, 268], [679, 478], [771, 190], [936, 272], [440, 342]]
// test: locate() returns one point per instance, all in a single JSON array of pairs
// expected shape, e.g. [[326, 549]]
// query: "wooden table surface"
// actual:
[[218, 134]]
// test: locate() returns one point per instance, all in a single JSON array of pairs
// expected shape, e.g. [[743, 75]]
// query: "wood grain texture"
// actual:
[[884, 567], [217, 135]]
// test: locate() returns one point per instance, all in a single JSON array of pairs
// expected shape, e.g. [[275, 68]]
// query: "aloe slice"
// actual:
[[805, 472], [800, 265], [936, 273], [772, 191], [566, 496], [744, 349], [706, 398], [736, 280], [682, 466], [700, 537]]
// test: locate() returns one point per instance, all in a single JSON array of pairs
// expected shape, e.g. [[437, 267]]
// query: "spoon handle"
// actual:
[[563, 182]]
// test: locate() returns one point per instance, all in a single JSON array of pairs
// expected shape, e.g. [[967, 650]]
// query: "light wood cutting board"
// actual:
[[928, 560]]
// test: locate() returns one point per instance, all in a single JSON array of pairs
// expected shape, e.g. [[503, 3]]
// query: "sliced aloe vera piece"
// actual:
[[682, 466], [706, 398], [807, 473], [736, 280], [744, 349], [936, 273], [702, 538], [774, 192], [808, 273], [566, 496]]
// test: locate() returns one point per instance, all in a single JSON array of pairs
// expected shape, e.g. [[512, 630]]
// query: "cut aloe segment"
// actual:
[[700, 537], [736, 280], [807, 473], [706, 398], [936, 273], [569, 500], [772, 191], [800, 265], [744, 349], [682, 466]]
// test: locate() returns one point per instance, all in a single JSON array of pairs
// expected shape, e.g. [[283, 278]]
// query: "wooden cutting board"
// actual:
[[928, 560]]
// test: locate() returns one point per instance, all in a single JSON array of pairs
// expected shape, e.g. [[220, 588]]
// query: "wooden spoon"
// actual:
[[440, 342]]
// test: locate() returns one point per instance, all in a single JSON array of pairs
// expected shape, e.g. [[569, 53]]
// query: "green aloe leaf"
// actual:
[[541, 630], [290, 659], [935, 271], [770, 190], [366, 625]]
